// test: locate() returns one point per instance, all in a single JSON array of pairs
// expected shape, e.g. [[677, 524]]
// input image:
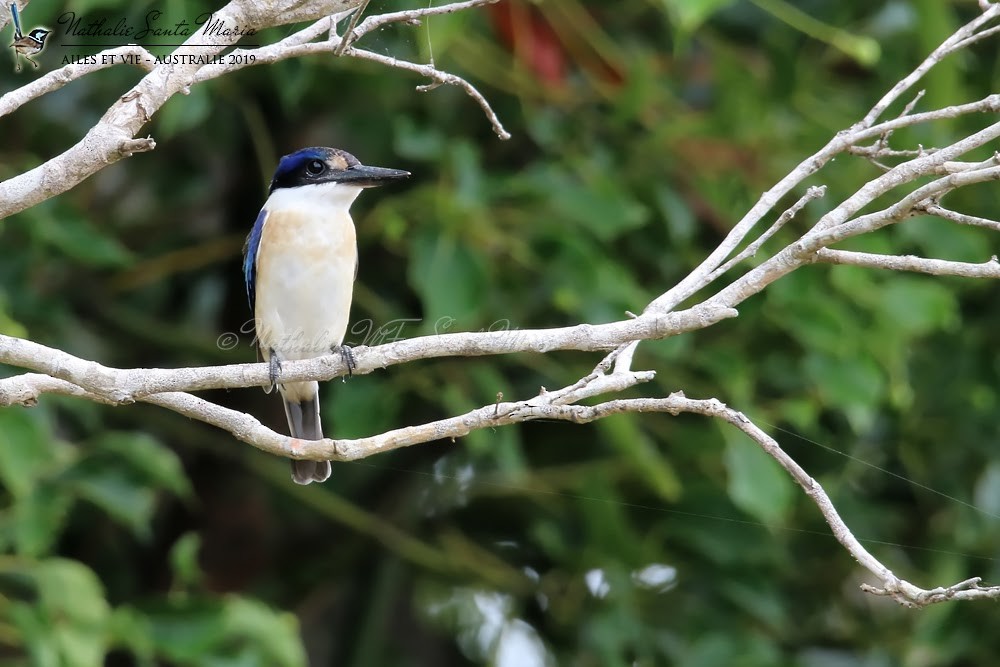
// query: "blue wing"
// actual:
[[250, 259], [17, 21]]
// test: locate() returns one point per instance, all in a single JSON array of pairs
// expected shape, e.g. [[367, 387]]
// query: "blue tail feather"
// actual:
[[17, 21]]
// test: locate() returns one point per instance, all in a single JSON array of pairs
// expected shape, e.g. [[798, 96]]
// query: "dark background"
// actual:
[[642, 131]]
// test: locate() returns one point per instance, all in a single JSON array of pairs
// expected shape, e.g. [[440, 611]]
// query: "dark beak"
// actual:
[[369, 177]]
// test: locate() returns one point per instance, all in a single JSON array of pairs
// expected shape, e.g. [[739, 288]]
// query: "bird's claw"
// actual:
[[347, 354], [274, 370]]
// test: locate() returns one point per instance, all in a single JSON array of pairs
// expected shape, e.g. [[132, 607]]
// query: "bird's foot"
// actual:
[[347, 354], [274, 372]]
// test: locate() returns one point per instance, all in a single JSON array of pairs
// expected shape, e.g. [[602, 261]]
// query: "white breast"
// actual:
[[305, 270]]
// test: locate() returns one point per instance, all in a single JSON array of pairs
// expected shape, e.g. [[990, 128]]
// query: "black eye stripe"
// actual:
[[315, 167]]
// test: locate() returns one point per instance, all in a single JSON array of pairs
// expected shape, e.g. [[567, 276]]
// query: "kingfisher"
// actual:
[[26, 45], [300, 262]]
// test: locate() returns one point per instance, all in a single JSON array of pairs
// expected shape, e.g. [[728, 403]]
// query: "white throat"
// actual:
[[314, 195]]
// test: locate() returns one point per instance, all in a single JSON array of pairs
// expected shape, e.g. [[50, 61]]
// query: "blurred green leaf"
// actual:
[[189, 631], [275, 635], [918, 306], [987, 493], [865, 50], [129, 628], [852, 384], [77, 238], [151, 461], [361, 407], [115, 492], [678, 215], [448, 276], [184, 561], [690, 14], [39, 518], [602, 207], [643, 456], [36, 633], [31, 462], [8, 325], [73, 602], [27, 451], [416, 142], [184, 112], [122, 473], [757, 484], [230, 630]]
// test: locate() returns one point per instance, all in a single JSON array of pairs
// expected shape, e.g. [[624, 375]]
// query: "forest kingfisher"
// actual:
[[300, 262]]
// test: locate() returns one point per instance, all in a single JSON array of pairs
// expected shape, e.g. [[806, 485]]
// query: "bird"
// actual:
[[300, 263], [26, 45]]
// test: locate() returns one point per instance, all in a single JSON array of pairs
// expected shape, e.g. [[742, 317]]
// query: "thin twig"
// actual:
[[812, 193], [439, 77], [958, 40], [934, 267], [348, 37], [960, 218]]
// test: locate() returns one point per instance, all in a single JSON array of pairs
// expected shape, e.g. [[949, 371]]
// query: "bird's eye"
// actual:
[[315, 168]]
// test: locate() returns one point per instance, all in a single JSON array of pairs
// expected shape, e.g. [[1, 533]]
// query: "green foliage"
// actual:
[[642, 132], [65, 623], [757, 484]]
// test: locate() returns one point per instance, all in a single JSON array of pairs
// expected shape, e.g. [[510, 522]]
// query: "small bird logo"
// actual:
[[26, 45]]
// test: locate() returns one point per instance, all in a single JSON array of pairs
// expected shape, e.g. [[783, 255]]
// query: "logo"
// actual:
[[28, 45], [150, 31]]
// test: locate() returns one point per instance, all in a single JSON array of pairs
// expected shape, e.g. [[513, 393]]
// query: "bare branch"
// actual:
[[978, 37], [124, 386], [814, 192], [413, 16], [56, 79], [25, 389], [934, 267], [960, 218], [300, 45], [249, 430], [825, 233], [546, 406], [438, 76], [910, 596], [698, 278], [349, 37], [898, 589], [960, 39], [876, 151]]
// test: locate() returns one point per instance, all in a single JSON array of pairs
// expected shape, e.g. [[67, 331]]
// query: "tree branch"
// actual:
[[699, 278], [126, 385], [934, 267], [960, 218], [962, 38]]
